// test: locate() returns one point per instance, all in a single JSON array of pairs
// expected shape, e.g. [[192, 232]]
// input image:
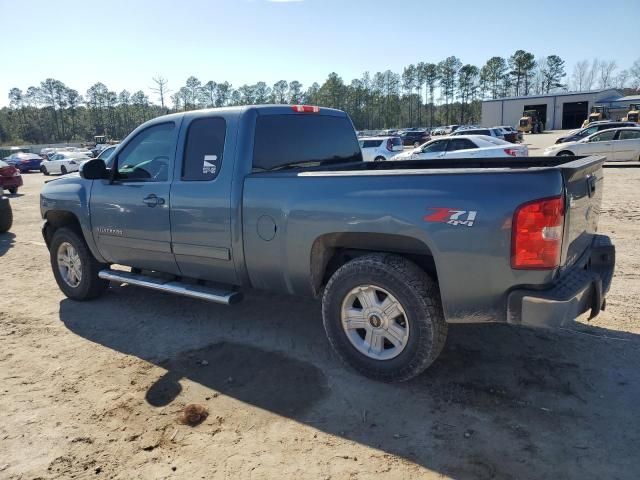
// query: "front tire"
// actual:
[[74, 267], [379, 159], [13, 190], [44, 171], [565, 153], [383, 316], [63, 170]]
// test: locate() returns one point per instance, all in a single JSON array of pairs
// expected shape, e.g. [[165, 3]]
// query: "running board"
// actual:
[[226, 297]]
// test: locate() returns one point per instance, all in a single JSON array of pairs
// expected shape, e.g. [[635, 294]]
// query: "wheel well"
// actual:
[[57, 219], [329, 252]]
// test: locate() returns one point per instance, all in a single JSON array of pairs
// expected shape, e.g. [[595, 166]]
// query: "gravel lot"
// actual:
[[95, 389]]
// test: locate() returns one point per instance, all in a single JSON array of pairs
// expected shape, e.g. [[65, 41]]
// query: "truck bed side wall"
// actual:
[[472, 262]]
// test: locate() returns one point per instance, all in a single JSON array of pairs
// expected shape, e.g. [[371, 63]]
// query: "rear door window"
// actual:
[[303, 140], [204, 149]]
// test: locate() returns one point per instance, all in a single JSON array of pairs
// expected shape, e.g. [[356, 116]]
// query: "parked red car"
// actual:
[[10, 177]]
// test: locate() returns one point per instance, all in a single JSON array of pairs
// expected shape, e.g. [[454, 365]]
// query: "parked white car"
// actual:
[[465, 146], [379, 149], [84, 151], [63, 162], [489, 132], [617, 144]]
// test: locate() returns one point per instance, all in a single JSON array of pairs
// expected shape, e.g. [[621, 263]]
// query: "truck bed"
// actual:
[[502, 163], [386, 205]]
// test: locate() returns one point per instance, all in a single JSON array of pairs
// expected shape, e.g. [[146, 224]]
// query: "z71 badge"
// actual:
[[451, 216]]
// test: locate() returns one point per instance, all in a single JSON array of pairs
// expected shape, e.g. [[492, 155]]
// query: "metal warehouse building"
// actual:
[[564, 110]]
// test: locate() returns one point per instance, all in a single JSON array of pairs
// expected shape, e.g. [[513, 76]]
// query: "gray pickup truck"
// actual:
[[211, 202]]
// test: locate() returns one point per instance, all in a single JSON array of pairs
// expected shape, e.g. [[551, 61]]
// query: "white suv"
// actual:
[[379, 149]]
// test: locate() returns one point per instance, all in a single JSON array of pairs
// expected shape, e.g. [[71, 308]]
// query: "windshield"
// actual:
[[524, 122], [106, 153]]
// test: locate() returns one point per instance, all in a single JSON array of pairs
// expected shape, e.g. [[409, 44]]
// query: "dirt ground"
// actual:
[[94, 390]]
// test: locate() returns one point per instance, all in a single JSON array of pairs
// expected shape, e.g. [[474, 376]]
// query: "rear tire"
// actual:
[[89, 285], [13, 191], [565, 153], [417, 329], [379, 159], [63, 170]]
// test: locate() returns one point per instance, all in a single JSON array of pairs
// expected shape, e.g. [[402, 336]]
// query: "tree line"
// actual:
[[423, 94]]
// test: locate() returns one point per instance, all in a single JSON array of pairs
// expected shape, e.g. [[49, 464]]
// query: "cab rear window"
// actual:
[[303, 140]]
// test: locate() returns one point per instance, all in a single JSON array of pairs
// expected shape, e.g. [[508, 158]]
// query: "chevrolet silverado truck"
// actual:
[[211, 203]]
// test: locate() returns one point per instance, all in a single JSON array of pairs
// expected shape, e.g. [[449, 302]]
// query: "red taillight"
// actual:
[[305, 108], [511, 151], [537, 234]]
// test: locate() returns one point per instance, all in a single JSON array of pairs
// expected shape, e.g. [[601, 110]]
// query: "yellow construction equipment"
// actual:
[[633, 115], [598, 112]]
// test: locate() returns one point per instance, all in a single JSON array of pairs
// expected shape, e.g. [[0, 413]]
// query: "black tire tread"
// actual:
[[6, 218], [424, 289], [95, 286]]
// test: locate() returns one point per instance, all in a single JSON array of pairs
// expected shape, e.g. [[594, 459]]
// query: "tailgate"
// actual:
[[584, 181]]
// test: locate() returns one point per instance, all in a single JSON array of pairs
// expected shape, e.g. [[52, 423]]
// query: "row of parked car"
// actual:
[[61, 161], [618, 141], [460, 141]]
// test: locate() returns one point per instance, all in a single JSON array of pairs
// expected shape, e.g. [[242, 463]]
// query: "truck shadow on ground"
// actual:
[[501, 402], [7, 240]]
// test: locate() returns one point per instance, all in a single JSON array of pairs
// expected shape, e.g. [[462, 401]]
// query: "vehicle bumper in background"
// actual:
[[580, 289], [11, 182]]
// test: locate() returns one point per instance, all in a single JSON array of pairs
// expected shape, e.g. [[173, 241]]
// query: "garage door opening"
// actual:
[[573, 114], [542, 112]]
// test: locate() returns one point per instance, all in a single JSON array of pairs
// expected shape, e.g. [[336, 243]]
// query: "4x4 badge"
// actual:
[[451, 216]]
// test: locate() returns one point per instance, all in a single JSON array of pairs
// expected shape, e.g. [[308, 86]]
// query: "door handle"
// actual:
[[153, 200]]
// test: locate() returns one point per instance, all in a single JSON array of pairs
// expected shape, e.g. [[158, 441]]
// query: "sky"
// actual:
[[125, 43]]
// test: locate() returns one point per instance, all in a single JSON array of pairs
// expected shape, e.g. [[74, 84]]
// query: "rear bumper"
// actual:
[[25, 167], [578, 290], [11, 182]]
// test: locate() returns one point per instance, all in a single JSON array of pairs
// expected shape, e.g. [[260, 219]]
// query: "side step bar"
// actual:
[[226, 297]]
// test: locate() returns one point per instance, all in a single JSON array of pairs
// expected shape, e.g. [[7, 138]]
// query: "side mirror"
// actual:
[[94, 169]]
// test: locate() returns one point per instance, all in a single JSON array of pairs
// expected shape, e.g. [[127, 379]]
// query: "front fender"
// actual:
[[65, 202]]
